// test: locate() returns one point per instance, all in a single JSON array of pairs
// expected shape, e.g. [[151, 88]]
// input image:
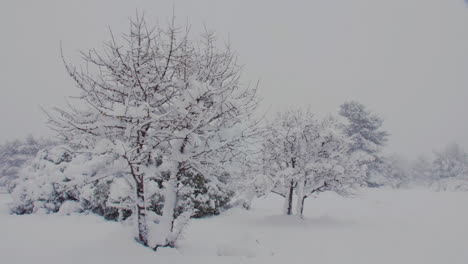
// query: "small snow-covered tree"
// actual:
[[304, 156], [394, 172], [450, 163], [421, 174], [169, 108], [450, 169], [365, 129], [285, 152]]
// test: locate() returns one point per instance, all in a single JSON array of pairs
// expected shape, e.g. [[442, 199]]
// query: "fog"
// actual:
[[407, 60]]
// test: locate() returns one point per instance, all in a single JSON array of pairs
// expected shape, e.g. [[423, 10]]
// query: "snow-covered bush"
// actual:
[[15, 154], [41, 185], [69, 207], [204, 196], [195, 193], [102, 198], [54, 178], [57, 175], [451, 184]]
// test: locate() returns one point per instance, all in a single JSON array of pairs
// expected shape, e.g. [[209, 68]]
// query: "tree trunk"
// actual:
[[302, 206], [141, 212], [289, 200], [167, 221], [300, 198]]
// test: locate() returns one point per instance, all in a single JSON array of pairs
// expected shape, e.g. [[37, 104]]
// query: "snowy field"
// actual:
[[378, 226]]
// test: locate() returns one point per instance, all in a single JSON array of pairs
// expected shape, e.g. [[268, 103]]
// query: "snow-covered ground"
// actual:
[[379, 226]]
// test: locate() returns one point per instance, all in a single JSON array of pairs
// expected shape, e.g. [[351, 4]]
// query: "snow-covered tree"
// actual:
[[169, 108], [451, 162], [365, 129], [304, 156], [394, 171], [421, 174], [450, 169]]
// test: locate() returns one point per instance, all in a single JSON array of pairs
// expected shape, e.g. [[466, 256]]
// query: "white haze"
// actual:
[[405, 59]]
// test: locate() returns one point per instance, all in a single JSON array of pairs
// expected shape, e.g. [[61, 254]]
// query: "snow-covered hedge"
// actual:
[[54, 176], [15, 154], [451, 184], [58, 180]]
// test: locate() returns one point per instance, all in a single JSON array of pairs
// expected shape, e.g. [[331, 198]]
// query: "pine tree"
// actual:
[[365, 129]]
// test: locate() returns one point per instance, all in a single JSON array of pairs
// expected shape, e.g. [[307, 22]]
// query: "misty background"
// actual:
[[406, 60]]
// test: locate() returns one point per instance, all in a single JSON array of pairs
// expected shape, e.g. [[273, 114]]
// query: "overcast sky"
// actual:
[[405, 59]]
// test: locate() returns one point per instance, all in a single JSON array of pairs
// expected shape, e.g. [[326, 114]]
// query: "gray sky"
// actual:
[[405, 59]]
